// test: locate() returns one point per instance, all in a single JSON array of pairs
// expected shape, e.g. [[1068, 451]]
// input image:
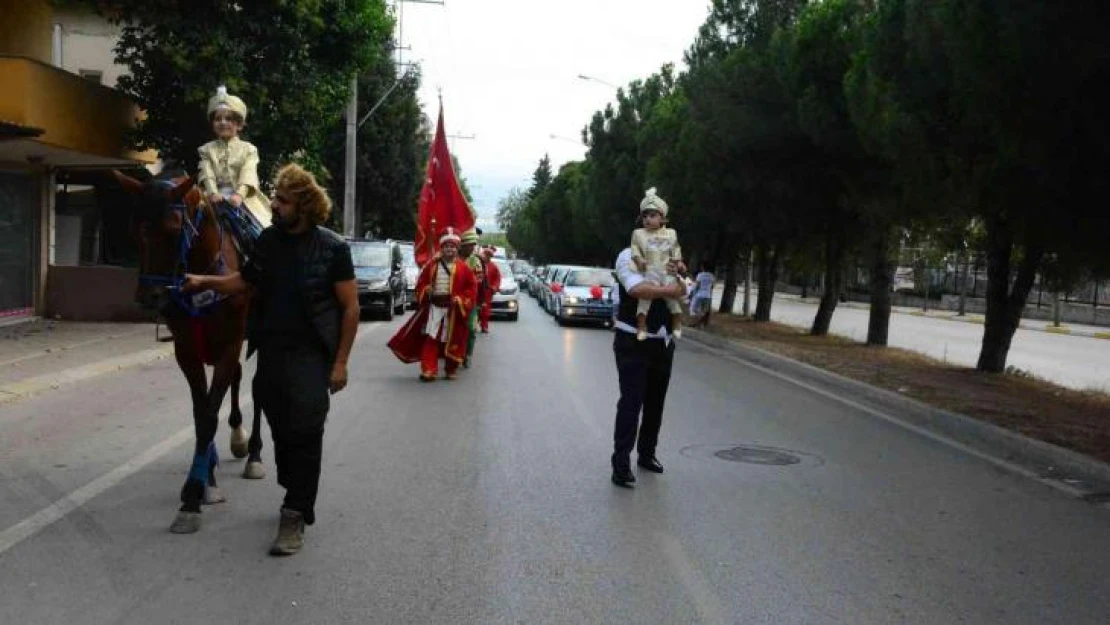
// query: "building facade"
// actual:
[[62, 129]]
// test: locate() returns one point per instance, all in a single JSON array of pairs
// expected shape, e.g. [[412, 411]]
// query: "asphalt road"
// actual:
[[487, 500], [1075, 361]]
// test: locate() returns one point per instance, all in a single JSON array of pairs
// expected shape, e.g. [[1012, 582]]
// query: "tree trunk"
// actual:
[[805, 285], [768, 260], [834, 262], [728, 296], [882, 277], [746, 265], [963, 284], [1004, 303]]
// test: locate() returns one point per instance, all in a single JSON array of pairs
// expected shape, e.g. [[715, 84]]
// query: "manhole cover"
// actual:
[[758, 455]]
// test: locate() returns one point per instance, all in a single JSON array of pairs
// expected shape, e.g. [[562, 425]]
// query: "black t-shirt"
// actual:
[[278, 270]]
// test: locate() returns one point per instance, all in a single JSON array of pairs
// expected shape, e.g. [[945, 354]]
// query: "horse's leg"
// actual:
[[222, 376], [235, 417], [254, 470], [188, 516]]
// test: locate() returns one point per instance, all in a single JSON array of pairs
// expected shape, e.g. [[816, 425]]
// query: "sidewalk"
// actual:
[[948, 315], [41, 355]]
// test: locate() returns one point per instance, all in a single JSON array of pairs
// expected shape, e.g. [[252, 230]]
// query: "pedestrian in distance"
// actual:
[[303, 325], [492, 285], [702, 300]]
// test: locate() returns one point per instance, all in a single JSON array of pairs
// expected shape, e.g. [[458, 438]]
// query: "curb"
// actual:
[[16, 391], [1074, 473]]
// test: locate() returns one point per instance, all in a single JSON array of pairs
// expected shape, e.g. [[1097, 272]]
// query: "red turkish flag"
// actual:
[[442, 203]]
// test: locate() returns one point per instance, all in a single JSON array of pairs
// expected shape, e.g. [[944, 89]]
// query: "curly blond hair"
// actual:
[[301, 186]]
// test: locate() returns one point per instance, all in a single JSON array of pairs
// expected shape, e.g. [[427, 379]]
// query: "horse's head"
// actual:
[[164, 206]]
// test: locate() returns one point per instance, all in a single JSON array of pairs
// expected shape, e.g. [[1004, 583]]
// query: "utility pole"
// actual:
[[349, 225], [350, 218]]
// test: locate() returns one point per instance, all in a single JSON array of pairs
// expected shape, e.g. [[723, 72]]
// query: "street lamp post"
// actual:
[[562, 138], [597, 80]]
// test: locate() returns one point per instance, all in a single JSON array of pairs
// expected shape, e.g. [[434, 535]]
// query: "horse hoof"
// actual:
[[186, 523], [254, 471], [212, 496], [239, 442]]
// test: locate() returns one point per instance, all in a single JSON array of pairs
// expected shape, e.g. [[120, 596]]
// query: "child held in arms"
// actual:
[[658, 257]]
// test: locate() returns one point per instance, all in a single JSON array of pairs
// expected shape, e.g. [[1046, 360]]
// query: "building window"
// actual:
[[93, 75]]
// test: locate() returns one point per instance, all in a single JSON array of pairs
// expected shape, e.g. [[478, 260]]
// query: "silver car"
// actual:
[[505, 303], [585, 296]]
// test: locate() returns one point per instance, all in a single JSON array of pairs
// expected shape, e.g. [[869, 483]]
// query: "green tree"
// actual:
[[991, 110], [540, 178], [388, 172], [290, 60]]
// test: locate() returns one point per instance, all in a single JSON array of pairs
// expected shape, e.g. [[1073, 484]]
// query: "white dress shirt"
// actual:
[[629, 279]]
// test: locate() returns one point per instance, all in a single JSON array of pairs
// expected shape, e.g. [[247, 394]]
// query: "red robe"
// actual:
[[493, 279], [409, 340]]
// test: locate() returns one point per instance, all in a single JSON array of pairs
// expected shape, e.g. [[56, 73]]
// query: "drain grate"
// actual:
[[758, 455]]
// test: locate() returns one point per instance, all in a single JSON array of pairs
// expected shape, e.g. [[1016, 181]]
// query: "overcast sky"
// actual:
[[508, 74]]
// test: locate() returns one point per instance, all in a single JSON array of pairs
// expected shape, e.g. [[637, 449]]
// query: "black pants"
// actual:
[[644, 369], [293, 381]]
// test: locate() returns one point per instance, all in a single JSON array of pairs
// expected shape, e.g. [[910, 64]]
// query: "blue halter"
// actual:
[[195, 304]]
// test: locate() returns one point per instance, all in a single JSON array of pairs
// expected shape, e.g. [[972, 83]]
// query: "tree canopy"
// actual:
[[809, 133]]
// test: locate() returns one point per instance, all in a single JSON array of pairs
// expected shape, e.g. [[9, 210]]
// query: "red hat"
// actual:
[[449, 235]]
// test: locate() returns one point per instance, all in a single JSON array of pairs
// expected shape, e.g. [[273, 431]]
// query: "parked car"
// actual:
[[521, 269], [505, 302], [412, 272], [584, 296], [536, 280], [380, 272], [552, 283]]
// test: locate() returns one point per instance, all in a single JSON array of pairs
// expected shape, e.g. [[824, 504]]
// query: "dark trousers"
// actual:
[[293, 381], [644, 370]]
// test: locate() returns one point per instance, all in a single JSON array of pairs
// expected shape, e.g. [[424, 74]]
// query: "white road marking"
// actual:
[[68, 503], [706, 603], [73, 500]]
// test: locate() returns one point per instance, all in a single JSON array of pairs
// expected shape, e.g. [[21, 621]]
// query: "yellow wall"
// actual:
[[75, 113], [26, 28]]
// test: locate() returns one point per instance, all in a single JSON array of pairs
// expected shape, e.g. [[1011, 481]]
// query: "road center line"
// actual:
[[73, 500]]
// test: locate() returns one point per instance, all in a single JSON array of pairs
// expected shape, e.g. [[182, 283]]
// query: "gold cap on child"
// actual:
[[222, 100], [653, 202]]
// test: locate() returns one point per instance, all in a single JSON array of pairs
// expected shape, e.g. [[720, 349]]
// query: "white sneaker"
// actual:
[[641, 335], [678, 333]]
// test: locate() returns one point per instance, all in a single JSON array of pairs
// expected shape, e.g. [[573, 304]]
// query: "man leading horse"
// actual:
[[308, 315]]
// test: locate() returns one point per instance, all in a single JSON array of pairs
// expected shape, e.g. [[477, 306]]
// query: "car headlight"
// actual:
[[378, 284], [570, 300]]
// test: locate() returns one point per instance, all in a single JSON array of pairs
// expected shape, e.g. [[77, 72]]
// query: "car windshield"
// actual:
[[590, 277], [506, 270], [369, 255], [407, 256]]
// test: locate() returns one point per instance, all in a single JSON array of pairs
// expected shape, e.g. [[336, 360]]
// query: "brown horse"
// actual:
[[178, 232]]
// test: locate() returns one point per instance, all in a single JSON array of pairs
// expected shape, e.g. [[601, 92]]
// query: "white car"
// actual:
[[505, 302], [585, 296]]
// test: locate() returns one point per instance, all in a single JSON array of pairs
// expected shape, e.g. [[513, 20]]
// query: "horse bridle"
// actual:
[[193, 304]]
